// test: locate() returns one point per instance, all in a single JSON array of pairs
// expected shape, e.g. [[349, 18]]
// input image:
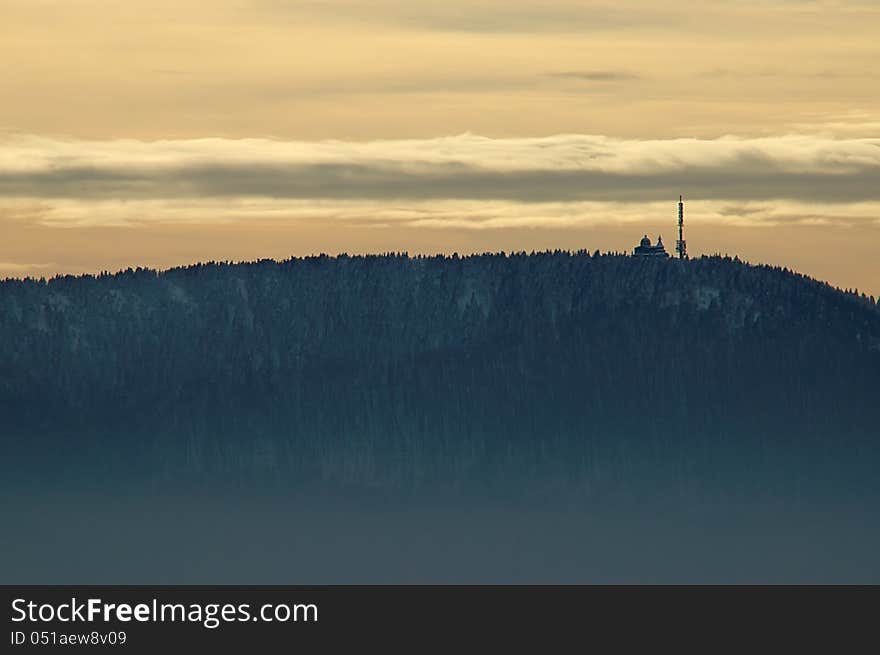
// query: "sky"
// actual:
[[158, 133]]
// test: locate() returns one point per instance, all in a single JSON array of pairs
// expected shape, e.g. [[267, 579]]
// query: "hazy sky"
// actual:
[[159, 133]]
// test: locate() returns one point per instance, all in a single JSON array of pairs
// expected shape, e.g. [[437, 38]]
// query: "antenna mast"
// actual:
[[680, 245]]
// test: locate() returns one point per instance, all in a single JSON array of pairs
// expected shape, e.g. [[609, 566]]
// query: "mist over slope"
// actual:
[[557, 370]]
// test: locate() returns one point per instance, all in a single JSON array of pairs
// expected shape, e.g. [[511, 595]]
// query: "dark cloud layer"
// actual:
[[481, 16], [746, 180], [597, 75], [563, 168]]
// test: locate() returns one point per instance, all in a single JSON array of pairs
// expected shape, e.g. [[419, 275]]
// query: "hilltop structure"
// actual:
[[647, 249], [681, 244]]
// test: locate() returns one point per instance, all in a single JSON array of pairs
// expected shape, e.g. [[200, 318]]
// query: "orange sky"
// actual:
[[166, 132]]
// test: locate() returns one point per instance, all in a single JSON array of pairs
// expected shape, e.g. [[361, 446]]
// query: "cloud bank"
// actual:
[[464, 180], [569, 166]]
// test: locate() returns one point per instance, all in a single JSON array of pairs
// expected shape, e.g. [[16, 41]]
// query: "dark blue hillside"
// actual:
[[551, 370]]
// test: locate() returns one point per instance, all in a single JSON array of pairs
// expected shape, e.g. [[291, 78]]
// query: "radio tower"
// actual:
[[680, 245]]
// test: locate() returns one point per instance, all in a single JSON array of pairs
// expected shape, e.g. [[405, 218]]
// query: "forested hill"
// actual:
[[391, 371]]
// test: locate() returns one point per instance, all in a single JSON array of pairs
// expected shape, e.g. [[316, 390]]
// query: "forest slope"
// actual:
[[597, 371]]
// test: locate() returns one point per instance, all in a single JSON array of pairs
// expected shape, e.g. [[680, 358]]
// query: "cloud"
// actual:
[[499, 17], [597, 75], [476, 215], [18, 268], [567, 167], [720, 73], [476, 16], [461, 182]]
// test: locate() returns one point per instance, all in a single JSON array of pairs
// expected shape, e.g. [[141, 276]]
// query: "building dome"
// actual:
[[646, 249]]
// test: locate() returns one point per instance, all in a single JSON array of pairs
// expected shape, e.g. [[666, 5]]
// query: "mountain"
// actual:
[[599, 374]]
